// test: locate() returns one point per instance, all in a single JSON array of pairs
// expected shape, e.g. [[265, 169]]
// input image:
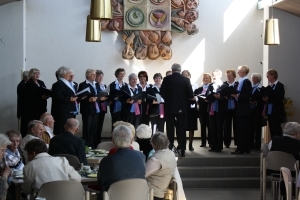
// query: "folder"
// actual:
[[102, 94], [83, 93], [150, 97]]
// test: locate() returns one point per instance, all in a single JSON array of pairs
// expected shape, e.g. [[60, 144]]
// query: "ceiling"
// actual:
[[2, 2], [290, 6]]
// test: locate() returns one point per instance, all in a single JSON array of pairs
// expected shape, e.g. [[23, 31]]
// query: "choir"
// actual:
[[234, 106]]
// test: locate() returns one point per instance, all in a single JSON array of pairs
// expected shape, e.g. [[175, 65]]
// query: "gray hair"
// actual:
[[72, 123], [25, 74], [292, 128], [13, 133], [32, 71], [62, 71], [132, 75], [159, 141], [72, 72], [257, 75], [122, 136], [44, 117], [32, 124], [88, 71], [143, 131], [4, 140], [176, 68]]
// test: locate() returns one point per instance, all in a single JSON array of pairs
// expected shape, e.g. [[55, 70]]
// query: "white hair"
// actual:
[[4, 141], [176, 67], [88, 71], [62, 71], [143, 131], [257, 75], [122, 136], [132, 75], [292, 128]]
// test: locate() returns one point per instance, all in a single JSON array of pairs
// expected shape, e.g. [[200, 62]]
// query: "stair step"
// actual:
[[221, 182]]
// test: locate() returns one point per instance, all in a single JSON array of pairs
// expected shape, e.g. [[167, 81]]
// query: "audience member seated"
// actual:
[[5, 171], [35, 131], [68, 143], [12, 156], [48, 122], [124, 164], [134, 145], [43, 168], [143, 136], [160, 167], [289, 142]]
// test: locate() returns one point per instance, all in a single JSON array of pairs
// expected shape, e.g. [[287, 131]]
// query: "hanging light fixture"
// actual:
[[93, 30], [272, 31], [101, 9]]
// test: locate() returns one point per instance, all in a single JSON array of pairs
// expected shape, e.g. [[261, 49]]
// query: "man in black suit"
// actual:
[[21, 103], [68, 143], [64, 105], [176, 91], [243, 111], [124, 164]]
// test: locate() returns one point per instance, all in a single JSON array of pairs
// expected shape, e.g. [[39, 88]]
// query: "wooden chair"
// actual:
[[106, 145], [73, 160]]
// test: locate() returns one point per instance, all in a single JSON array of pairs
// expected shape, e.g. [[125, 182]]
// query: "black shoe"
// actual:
[[182, 153], [211, 150], [191, 148], [202, 145], [237, 152], [227, 147], [178, 147]]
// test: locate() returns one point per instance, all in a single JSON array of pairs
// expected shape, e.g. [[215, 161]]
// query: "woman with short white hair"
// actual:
[[5, 171], [143, 136]]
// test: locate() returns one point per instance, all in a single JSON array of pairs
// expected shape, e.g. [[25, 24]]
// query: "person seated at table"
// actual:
[[289, 142], [124, 164], [43, 168], [160, 167], [12, 156], [35, 131], [68, 143], [143, 136], [134, 145], [5, 171], [48, 122]]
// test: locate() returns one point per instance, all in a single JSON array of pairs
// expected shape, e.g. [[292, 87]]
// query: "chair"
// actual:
[[73, 160], [106, 145], [297, 176], [128, 190], [265, 150], [287, 177], [66, 190], [274, 161]]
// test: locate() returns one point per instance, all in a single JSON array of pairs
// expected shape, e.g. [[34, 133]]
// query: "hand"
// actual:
[[103, 98], [235, 95], [93, 99], [217, 96], [110, 102], [6, 172], [226, 97], [206, 101], [45, 96], [129, 101], [193, 99], [265, 99], [139, 101], [83, 97], [73, 98], [155, 102]]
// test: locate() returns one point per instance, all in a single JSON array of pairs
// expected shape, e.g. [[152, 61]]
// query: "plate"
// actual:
[[19, 176], [89, 155], [100, 155], [99, 150], [92, 175]]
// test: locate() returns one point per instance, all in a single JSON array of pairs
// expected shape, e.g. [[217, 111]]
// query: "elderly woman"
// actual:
[[12, 156], [131, 106], [160, 167], [5, 171], [143, 136], [256, 105], [192, 113], [35, 131], [143, 83], [35, 98], [274, 103], [89, 107], [64, 104], [243, 111]]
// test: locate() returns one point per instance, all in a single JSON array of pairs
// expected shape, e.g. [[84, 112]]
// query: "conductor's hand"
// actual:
[[73, 98], [93, 99]]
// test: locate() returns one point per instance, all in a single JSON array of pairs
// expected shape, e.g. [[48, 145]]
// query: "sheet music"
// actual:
[[158, 97], [84, 90]]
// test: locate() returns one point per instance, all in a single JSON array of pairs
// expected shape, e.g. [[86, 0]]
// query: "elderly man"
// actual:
[[48, 122], [289, 142], [43, 168], [35, 131], [124, 164], [12, 156], [176, 90], [68, 143]]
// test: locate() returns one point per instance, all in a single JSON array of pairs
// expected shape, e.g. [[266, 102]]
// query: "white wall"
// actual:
[[11, 62], [285, 58], [56, 36]]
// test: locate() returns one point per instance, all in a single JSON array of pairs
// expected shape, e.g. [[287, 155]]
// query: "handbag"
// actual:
[[283, 118], [264, 121]]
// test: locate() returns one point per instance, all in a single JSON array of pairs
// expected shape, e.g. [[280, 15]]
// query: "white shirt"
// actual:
[[144, 89], [49, 131]]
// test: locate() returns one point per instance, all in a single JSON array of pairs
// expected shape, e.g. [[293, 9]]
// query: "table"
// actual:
[[94, 161], [84, 181]]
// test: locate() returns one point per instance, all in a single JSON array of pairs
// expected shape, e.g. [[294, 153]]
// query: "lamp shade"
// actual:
[[272, 32], [101, 9], [93, 30]]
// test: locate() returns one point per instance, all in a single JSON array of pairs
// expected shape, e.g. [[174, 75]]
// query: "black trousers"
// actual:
[[243, 133], [230, 121], [160, 124], [275, 125], [89, 128], [180, 129], [255, 129], [144, 118], [60, 121], [204, 122], [133, 119], [23, 126], [216, 127], [117, 116], [97, 138]]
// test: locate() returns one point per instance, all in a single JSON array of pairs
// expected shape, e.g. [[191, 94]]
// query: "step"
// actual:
[[221, 182], [213, 172]]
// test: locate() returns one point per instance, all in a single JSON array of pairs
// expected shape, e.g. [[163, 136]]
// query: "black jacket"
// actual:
[[87, 107], [286, 144], [277, 99], [125, 94], [21, 99], [243, 103], [203, 106]]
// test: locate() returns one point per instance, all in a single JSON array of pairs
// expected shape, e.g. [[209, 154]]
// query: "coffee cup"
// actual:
[[86, 167], [17, 172]]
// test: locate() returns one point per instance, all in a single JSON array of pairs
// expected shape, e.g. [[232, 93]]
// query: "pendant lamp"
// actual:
[[272, 31], [101, 9], [93, 30]]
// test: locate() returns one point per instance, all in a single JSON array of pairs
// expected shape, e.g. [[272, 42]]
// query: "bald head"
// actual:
[[47, 120], [72, 125]]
